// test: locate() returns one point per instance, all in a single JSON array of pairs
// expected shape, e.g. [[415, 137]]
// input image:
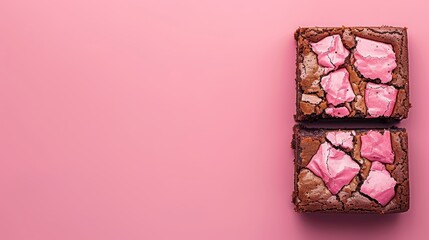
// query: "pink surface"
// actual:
[[377, 146], [380, 99], [341, 138], [152, 120], [379, 184], [374, 59], [337, 86], [337, 111], [330, 51], [335, 167]]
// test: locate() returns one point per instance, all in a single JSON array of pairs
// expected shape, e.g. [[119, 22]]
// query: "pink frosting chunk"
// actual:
[[380, 99], [377, 147], [379, 185], [337, 111], [374, 59], [330, 51], [337, 87], [335, 167], [341, 138]]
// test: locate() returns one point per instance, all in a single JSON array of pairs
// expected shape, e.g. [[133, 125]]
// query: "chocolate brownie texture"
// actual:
[[311, 193], [311, 98]]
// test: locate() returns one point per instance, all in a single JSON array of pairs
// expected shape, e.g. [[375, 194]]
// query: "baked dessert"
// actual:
[[351, 170], [352, 73]]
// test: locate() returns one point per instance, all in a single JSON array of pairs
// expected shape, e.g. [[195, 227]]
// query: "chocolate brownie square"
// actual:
[[351, 170], [352, 73]]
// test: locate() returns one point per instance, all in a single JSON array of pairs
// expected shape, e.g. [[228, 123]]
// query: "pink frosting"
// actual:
[[380, 99], [374, 59], [379, 185], [335, 167], [377, 147], [337, 87], [337, 111], [341, 138], [330, 52]]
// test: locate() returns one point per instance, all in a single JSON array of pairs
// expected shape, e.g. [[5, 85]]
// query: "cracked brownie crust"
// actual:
[[311, 193], [312, 101]]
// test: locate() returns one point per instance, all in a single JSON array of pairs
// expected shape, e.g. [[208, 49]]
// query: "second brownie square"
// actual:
[[352, 72], [351, 171]]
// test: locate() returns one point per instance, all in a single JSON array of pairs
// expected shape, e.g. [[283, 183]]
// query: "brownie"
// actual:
[[350, 170], [352, 73]]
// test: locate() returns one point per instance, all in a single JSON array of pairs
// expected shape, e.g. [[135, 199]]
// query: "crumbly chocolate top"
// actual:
[[381, 53], [380, 187]]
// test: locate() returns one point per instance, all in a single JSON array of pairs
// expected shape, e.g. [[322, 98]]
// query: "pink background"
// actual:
[[131, 119]]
